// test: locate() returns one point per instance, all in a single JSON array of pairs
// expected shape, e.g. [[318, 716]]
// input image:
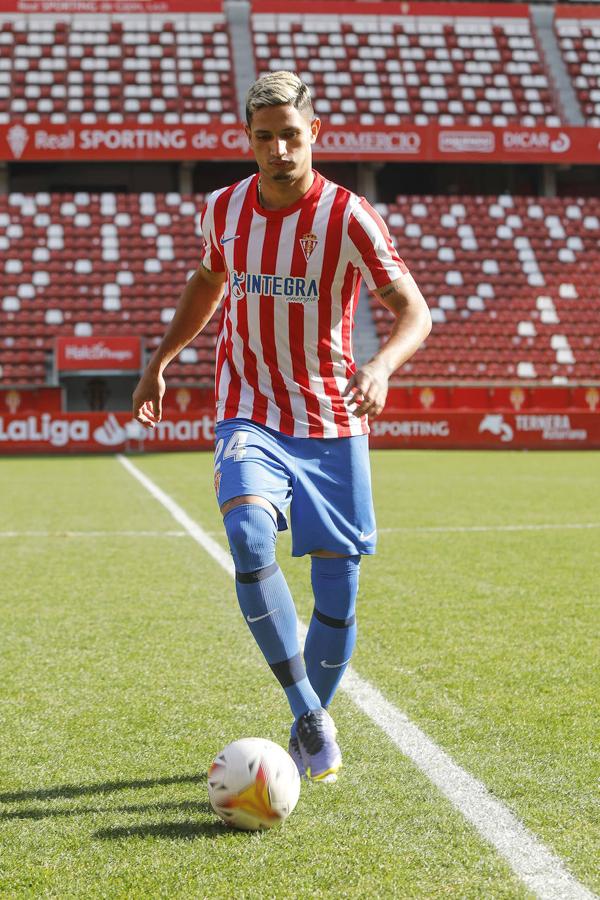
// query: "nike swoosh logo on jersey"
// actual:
[[252, 619], [224, 240], [327, 665], [365, 537]]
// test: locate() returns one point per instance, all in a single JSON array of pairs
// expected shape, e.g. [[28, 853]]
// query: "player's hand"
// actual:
[[147, 398], [368, 389]]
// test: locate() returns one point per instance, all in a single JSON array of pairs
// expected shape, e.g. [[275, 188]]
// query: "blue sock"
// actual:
[[266, 602], [332, 632]]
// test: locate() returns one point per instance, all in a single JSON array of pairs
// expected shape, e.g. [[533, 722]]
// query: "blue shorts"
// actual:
[[325, 482]]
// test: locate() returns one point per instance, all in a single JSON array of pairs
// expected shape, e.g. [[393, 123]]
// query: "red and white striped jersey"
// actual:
[[284, 350]]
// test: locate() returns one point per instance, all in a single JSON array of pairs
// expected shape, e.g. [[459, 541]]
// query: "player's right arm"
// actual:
[[195, 308]]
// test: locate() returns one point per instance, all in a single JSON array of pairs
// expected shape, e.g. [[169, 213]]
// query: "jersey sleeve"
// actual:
[[212, 258], [374, 253]]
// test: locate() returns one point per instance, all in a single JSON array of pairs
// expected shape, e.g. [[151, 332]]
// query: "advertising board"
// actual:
[[54, 432], [131, 140]]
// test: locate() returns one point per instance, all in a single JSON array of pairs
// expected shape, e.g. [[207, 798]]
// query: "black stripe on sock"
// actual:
[[290, 671], [333, 623], [258, 575]]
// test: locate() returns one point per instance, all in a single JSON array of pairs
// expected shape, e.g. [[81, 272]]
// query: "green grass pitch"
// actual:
[[125, 666]]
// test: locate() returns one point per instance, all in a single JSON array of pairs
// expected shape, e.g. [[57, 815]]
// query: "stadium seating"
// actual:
[[512, 281], [367, 68], [175, 67], [392, 69], [579, 40], [89, 264]]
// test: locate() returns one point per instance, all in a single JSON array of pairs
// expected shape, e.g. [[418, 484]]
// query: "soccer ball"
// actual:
[[253, 784]]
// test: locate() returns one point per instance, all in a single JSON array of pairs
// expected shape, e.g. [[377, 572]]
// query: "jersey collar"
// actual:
[[312, 193]]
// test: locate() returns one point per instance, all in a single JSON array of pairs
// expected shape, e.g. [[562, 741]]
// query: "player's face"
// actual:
[[281, 138]]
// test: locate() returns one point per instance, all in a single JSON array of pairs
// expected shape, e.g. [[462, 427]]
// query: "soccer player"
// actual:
[[286, 250]]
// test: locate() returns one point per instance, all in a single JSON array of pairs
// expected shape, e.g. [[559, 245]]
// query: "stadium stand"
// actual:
[[579, 40], [83, 263], [118, 67], [179, 67], [512, 281], [458, 69]]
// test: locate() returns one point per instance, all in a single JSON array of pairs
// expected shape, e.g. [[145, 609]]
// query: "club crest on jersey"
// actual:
[[308, 242], [237, 280]]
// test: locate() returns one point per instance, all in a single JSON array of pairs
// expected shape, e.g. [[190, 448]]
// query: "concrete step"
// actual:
[[542, 18], [237, 13]]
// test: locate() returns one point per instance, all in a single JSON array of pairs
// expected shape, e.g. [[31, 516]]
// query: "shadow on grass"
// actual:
[[167, 830], [173, 831], [67, 791], [37, 813]]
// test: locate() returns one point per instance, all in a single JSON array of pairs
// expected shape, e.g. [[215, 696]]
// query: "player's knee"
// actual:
[[335, 586], [252, 534], [335, 566]]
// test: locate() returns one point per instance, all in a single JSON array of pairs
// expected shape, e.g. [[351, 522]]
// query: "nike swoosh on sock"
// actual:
[[327, 665], [252, 619]]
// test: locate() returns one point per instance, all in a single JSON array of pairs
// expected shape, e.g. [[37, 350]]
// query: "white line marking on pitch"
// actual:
[[442, 529], [90, 534], [416, 530], [539, 869]]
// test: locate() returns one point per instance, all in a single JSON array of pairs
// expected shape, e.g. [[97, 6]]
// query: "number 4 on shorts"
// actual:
[[236, 446]]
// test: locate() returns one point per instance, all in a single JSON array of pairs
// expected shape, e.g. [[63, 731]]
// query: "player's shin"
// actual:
[[332, 632], [266, 602]]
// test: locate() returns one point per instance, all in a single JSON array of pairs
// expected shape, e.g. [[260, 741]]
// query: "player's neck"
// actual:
[[277, 195]]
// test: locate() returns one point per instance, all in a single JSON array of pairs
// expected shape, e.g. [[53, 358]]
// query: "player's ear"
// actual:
[[315, 127]]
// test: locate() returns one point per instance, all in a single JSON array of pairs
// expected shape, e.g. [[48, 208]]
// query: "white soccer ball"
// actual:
[[253, 784]]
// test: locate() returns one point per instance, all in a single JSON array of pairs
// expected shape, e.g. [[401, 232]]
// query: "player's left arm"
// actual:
[[368, 386]]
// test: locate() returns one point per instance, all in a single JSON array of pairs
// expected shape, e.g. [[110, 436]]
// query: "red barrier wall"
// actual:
[[18, 400], [513, 398], [391, 8], [110, 7], [577, 11], [184, 399], [310, 7]]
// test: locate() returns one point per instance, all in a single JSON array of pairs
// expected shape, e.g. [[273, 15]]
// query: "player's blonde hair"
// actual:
[[278, 89]]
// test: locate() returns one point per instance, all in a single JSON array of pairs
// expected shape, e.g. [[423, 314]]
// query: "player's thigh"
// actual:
[[332, 508], [248, 464]]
